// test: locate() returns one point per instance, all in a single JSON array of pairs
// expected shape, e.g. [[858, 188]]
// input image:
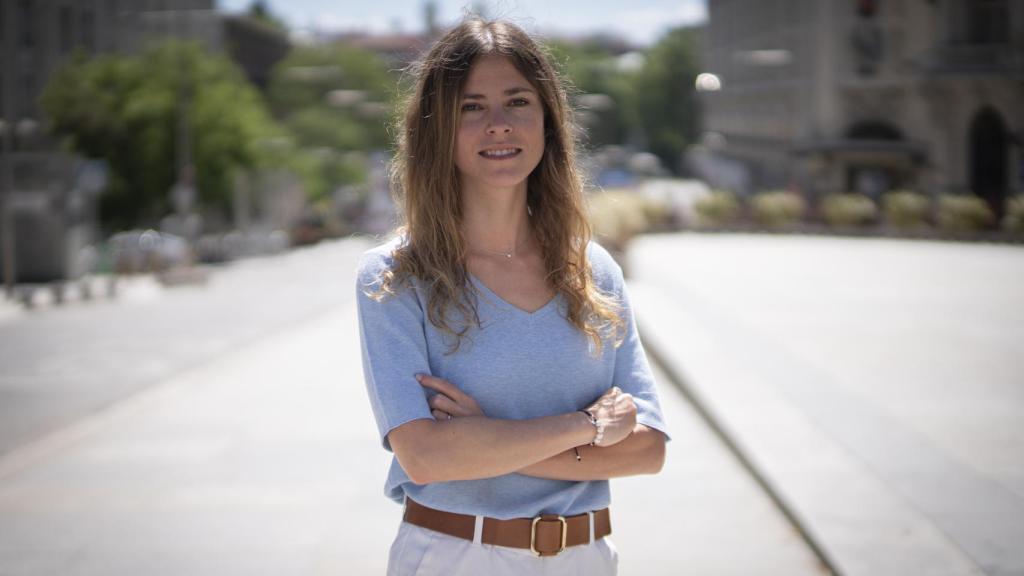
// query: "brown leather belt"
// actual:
[[545, 535]]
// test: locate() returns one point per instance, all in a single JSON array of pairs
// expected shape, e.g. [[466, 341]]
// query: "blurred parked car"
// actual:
[[138, 251]]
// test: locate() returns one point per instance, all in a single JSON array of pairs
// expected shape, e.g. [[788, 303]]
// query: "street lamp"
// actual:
[[707, 82]]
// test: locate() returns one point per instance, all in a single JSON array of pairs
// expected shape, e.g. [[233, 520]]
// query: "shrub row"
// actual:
[[617, 215], [902, 210]]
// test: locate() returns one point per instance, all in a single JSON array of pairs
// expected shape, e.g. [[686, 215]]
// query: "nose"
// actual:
[[498, 122]]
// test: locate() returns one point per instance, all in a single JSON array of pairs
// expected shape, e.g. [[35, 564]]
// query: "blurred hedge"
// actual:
[[618, 215], [848, 209], [720, 208], [906, 210], [778, 208], [1013, 220], [962, 213]]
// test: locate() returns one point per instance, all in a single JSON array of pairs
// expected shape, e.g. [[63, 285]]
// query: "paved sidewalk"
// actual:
[[265, 460], [874, 384]]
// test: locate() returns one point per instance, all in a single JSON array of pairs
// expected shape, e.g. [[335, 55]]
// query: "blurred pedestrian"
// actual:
[[499, 349]]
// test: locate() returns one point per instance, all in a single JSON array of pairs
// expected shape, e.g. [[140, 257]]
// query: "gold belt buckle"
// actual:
[[533, 535]]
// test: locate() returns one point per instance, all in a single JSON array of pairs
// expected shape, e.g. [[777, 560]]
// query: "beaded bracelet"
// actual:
[[597, 424]]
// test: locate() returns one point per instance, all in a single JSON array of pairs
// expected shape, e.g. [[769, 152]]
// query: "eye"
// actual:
[[519, 102], [470, 107]]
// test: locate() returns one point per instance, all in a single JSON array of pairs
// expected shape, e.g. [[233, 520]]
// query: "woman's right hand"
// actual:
[[616, 410]]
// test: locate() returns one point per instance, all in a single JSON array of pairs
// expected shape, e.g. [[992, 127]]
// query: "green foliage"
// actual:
[[259, 12], [335, 101], [666, 99], [718, 208], [653, 106], [778, 209], [592, 70], [847, 209], [316, 127], [906, 210], [126, 109], [300, 89], [963, 213], [324, 169]]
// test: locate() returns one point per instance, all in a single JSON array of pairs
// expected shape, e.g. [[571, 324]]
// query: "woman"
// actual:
[[499, 350]]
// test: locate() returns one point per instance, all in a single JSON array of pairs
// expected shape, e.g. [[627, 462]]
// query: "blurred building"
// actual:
[[865, 95], [398, 48], [47, 197], [36, 36], [255, 45]]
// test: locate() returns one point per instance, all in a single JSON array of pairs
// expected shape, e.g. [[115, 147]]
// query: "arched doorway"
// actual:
[[988, 153], [871, 168]]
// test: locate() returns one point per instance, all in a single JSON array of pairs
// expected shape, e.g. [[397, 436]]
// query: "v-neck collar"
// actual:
[[503, 304]]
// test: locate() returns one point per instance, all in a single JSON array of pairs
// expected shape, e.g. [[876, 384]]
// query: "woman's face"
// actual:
[[500, 137]]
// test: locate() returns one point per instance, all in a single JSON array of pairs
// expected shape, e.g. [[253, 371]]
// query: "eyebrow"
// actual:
[[509, 92]]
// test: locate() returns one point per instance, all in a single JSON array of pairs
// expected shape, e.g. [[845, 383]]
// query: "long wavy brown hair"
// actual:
[[426, 184]]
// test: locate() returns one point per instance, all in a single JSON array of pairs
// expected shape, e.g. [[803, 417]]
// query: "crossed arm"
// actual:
[[471, 446]]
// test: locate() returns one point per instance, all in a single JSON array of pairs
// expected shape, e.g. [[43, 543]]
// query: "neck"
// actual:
[[494, 219]]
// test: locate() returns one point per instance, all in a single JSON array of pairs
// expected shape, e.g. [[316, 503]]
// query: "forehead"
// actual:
[[494, 73]]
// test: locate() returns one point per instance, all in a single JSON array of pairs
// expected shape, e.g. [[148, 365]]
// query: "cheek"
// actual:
[[536, 130], [463, 146], [534, 126]]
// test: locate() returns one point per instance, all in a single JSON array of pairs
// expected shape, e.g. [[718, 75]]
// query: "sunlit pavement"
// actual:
[[260, 456], [874, 384]]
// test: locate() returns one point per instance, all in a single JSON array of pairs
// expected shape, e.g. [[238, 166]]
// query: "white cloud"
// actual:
[[647, 24], [331, 22]]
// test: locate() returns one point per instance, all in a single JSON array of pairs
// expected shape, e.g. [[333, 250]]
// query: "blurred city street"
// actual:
[[225, 430], [818, 206], [869, 384]]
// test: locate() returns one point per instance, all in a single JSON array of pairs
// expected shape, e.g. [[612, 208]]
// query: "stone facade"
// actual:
[[865, 95]]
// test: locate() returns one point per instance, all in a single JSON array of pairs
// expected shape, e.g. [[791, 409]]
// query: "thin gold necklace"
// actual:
[[505, 254]]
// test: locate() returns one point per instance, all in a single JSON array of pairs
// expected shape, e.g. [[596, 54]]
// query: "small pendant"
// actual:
[[508, 256]]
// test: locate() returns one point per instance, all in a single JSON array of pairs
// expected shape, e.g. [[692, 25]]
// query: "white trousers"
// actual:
[[422, 552]]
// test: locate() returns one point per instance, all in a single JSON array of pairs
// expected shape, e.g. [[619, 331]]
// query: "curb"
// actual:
[[707, 415]]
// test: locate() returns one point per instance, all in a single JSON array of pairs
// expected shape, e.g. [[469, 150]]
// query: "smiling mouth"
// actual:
[[501, 153]]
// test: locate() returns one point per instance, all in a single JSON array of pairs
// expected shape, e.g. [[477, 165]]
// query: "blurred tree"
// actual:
[[594, 70], [334, 95], [124, 109], [335, 101], [258, 11], [256, 41], [666, 102]]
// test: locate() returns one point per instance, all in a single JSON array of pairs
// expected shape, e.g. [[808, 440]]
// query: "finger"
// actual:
[[440, 415], [435, 398], [444, 403], [441, 385]]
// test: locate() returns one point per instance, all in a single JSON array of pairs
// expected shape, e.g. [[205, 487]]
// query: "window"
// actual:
[[988, 21], [24, 23], [64, 32], [27, 104], [87, 29]]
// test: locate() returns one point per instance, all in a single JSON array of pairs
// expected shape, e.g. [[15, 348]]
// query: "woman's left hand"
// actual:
[[449, 402]]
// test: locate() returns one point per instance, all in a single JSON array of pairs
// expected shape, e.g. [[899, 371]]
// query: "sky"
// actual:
[[641, 21]]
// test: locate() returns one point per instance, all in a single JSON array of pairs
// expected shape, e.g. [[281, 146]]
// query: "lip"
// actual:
[[515, 154]]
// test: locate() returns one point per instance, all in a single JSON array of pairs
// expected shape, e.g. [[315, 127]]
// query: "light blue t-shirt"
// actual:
[[518, 366]]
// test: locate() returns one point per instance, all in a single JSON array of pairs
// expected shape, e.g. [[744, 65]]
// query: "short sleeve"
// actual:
[[394, 350], [632, 372]]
